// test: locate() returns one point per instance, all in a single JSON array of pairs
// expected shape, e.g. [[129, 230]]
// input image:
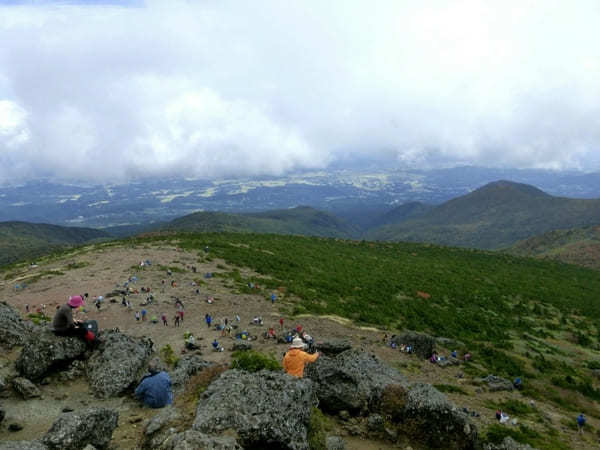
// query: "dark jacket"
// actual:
[[63, 319], [155, 390]]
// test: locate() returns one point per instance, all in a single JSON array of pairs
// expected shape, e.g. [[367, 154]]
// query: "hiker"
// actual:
[[155, 388], [137, 316], [180, 311], [176, 320], [498, 414], [281, 323], [144, 312], [518, 384], [273, 298], [295, 359], [467, 357], [63, 322], [208, 319], [164, 320], [190, 343], [580, 423], [454, 354], [123, 301], [27, 307], [434, 358], [216, 346], [97, 303], [154, 319]]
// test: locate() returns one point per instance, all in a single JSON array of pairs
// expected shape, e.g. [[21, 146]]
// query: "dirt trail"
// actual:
[[104, 269]]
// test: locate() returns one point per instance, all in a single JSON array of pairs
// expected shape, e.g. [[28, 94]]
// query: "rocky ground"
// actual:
[[100, 271]]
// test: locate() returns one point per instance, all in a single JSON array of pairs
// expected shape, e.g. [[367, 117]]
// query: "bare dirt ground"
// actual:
[[106, 268]]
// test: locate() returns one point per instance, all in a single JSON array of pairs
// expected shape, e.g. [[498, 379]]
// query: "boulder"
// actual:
[[22, 445], [495, 383], [161, 427], [596, 373], [3, 384], [117, 363], [334, 443], [241, 346], [334, 346], [44, 352], [508, 444], [186, 367], [2, 415], [422, 344], [75, 370], [75, 430], [266, 409], [26, 388], [13, 329], [194, 440], [353, 380], [429, 418]]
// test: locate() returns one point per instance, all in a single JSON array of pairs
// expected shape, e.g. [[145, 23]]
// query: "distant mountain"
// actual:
[[579, 246], [404, 212], [302, 220], [358, 193], [492, 217], [20, 240]]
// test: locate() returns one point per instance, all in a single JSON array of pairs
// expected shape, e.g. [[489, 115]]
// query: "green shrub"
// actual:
[[168, 355], [450, 389], [317, 430], [594, 365], [253, 361], [77, 265], [512, 406]]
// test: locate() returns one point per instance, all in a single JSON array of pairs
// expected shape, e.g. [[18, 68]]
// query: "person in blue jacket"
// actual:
[[155, 388], [580, 422]]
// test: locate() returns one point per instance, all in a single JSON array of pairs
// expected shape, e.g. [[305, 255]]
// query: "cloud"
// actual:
[[104, 92]]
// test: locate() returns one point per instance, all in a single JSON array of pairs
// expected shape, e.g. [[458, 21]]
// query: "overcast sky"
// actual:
[[217, 88]]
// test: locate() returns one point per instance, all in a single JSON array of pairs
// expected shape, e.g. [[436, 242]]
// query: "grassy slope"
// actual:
[[19, 240], [575, 246], [300, 220], [494, 216]]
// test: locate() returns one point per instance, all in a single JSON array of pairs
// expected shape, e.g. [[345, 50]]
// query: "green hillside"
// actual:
[[493, 216], [301, 220], [574, 246], [20, 240]]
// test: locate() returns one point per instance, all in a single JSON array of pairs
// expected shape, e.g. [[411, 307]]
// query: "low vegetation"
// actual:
[[253, 361]]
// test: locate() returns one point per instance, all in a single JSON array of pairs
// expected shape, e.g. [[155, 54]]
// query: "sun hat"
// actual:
[[297, 343], [75, 301]]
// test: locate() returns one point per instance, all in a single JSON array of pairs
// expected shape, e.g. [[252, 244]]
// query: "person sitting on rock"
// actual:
[[190, 343], [63, 322], [295, 359], [518, 383], [155, 388]]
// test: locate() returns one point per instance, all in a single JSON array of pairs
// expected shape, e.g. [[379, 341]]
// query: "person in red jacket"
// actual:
[[295, 359]]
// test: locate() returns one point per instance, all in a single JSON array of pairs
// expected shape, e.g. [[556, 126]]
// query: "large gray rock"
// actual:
[[118, 363], [495, 383], [44, 352], [186, 367], [161, 428], [422, 344], [508, 444], [335, 443], [75, 430], [430, 418], [266, 409], [13, 329], [26, 388], [195, 440], [353, 381], [333, 347], [22, 445]]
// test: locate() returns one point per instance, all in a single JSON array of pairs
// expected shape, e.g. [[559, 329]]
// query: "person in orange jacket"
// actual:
[[295, 359]]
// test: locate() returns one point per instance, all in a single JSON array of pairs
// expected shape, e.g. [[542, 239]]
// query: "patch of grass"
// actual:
[[450, 389], [517, 407], [38, 318], [253, 361]]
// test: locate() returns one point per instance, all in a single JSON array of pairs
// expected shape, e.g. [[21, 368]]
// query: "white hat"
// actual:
[[297, 343]]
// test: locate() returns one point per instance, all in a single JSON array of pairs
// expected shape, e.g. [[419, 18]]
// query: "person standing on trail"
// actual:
[[296, 358], [208, 319], [273, 298], [580, 423], [281, 323], [144, 312], [164, 320]]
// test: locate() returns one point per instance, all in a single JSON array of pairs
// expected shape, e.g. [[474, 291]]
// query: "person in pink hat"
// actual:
[[63, 322]]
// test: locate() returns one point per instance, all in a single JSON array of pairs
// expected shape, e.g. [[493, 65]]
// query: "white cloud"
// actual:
[[240, 88]]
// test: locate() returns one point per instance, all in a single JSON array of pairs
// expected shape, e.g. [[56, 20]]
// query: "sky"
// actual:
[[111, 91]]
